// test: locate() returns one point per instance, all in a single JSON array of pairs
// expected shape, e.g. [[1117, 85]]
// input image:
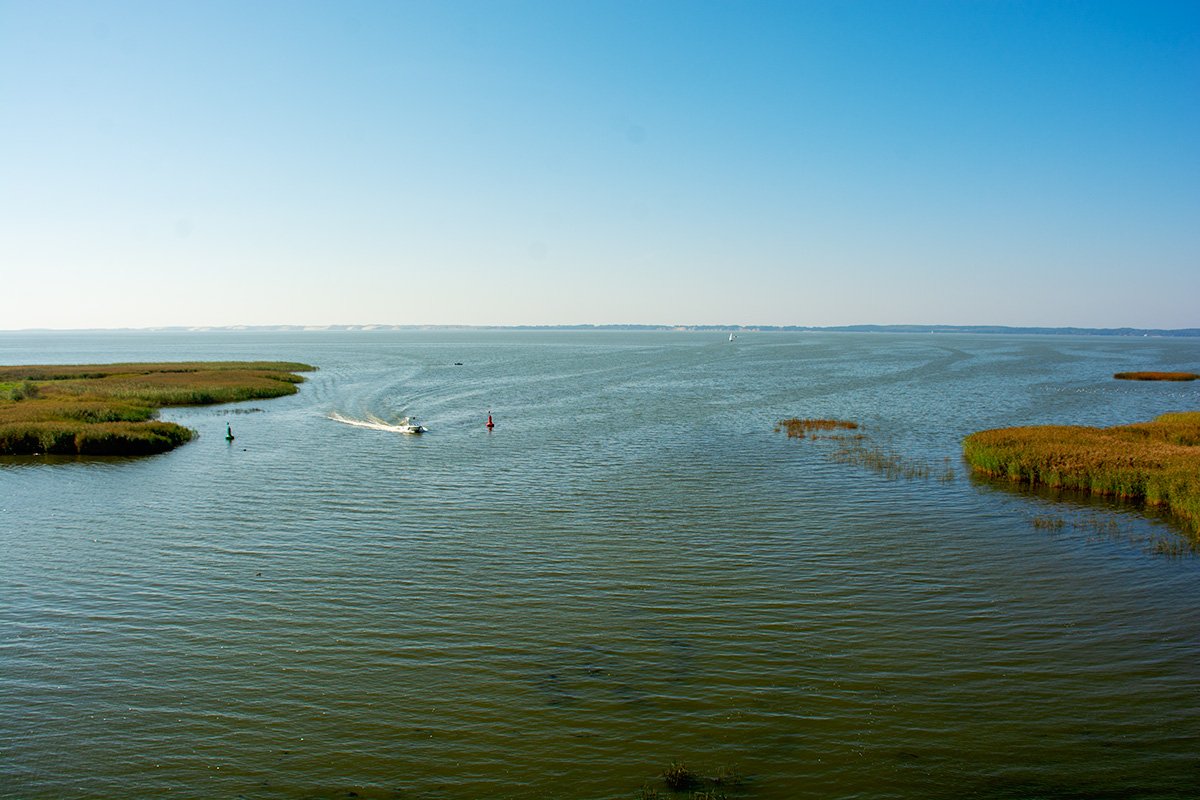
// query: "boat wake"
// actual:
[[374, 423]]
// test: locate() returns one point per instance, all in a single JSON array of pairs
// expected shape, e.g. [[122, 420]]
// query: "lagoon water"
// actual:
[[632, 569]]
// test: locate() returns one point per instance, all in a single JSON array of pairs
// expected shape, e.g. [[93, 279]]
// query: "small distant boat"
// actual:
[[731, 337], [409, 425]]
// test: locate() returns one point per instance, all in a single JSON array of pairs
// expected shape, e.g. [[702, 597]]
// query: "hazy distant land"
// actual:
[[991, 329]]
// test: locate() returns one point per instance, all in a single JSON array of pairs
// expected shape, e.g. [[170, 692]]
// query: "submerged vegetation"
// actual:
[[111, 409], [1156, 376], [892, 466], [680, 779], [1154, 541], [1156, 462], [853, 448]]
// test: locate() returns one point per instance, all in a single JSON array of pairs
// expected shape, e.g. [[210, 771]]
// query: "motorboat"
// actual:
[[409, 425], [403, 425]]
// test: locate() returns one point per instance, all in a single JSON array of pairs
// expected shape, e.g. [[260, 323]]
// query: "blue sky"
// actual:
[[214, 163]]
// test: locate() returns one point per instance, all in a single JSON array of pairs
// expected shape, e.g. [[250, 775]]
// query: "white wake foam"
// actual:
[[373, 422]]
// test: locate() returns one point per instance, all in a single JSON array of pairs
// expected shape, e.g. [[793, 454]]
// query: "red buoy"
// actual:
[[490, 424]]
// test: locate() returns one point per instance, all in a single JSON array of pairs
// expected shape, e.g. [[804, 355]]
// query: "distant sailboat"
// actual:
[[731, 337]]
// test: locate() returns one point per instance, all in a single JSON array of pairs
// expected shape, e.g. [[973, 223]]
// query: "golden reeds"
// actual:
[[1154, 462], [109, 409], [797, 428]]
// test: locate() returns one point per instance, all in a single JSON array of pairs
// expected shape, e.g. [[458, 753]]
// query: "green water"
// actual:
[[632, 569]]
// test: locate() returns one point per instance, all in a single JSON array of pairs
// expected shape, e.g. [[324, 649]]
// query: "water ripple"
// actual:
[[631, 569]]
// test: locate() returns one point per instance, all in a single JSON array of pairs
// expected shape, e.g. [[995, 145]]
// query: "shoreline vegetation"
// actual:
[[112, 409], [1156, 462], [1156, 376]]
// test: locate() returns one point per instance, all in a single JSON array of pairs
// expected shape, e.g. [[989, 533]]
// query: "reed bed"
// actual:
[[798, 428], [58, 372], [1155, 462], [111, 409], [1156, 376]]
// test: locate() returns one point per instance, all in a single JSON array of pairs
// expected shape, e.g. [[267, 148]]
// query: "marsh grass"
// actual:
[[1108, 529], [853, 449], [892, 466], [798, 428], [1156, 463], [59, 372], [1096, 525], [681, 780], [24, 390], [948, 473], [111, 409], [1156, 376], [1172, 548]]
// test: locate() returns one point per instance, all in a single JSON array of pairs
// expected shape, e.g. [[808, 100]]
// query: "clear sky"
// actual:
[[504, 162]]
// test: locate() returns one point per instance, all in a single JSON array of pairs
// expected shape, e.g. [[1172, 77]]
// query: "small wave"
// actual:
[[373, 422]]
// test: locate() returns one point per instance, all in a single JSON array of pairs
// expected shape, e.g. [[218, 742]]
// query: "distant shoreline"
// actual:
[[983, 329]]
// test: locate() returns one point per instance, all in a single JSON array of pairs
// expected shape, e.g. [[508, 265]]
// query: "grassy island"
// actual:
[[1156, 376], [112, 409], [798, 428], [1154, 462]]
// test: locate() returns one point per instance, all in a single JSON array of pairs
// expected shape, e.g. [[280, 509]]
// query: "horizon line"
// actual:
[[734, 328]]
